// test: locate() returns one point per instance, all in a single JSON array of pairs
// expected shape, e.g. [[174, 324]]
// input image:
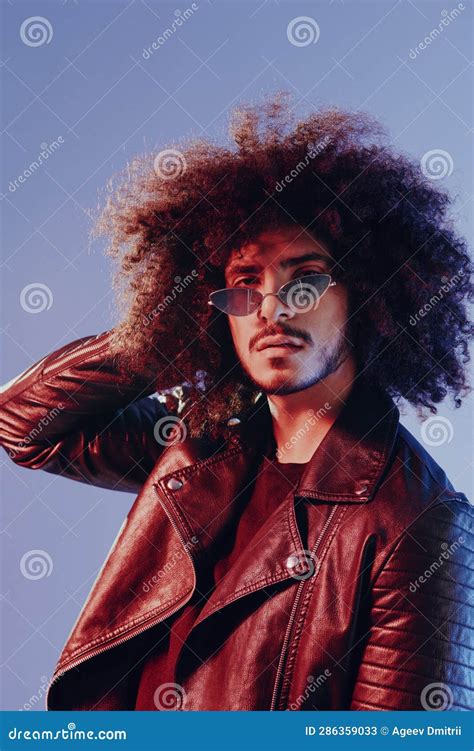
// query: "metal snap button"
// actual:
[[301, 565], [233, 421], [292, 562], [174, 484]]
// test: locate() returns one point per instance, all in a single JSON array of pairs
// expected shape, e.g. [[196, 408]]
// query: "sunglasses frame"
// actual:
[[332, 283]]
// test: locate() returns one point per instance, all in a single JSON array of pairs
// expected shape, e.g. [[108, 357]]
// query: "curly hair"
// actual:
[[173, 219]]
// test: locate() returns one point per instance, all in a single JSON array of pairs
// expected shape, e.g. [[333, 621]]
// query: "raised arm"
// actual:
[[74, 415]]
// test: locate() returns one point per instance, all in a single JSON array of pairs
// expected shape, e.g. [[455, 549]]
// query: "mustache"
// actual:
[[280, 331]]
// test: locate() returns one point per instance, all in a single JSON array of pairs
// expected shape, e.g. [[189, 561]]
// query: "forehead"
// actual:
[[274, 248]]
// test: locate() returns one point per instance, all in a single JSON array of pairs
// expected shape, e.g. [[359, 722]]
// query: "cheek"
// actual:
[[238, 333], [331, 313], [335, 306]]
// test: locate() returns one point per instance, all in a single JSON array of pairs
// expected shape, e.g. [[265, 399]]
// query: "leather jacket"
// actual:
[[383, 620]]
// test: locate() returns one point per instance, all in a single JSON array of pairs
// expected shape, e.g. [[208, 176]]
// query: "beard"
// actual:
[[325, 362]]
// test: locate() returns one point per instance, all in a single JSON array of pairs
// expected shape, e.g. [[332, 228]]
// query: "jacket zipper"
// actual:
[[61, 361], [45, 371], [134, 631], [286, 641]]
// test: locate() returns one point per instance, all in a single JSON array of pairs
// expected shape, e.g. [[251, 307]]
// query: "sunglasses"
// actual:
[[300, 295]]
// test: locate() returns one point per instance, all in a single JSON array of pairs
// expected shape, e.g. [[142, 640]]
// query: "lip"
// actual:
[[287, 342], [281, 350]]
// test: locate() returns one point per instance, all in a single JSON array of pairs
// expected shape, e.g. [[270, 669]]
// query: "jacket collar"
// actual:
[[347, 467], [350, 460]]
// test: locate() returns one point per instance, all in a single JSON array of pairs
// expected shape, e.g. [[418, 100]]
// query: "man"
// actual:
[[292, 545]]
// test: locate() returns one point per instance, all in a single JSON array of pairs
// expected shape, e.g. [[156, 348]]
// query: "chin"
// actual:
[[283, 384]]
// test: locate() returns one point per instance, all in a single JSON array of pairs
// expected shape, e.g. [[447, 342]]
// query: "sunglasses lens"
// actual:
[[303, 294], [236, 302], [300, 295]]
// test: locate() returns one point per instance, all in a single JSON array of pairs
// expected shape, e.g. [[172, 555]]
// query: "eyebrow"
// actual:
[[246, 268]]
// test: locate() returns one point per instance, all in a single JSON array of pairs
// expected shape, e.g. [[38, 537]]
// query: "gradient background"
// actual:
[[91, 86]]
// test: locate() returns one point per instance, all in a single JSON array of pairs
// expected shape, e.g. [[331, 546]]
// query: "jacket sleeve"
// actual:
[[419, 653], [73, 414]]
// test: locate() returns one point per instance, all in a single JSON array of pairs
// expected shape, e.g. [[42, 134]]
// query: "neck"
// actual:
[[302, 419]]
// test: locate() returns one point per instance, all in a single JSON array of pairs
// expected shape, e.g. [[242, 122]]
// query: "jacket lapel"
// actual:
[[350, 461], [263, 562], [199, 486], [346, 468], [209, 504]]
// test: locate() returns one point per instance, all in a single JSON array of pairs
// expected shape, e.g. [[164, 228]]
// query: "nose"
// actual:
[[273, 309]]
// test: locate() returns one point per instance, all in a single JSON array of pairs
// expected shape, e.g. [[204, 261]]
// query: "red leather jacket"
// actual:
[[382, 622]]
